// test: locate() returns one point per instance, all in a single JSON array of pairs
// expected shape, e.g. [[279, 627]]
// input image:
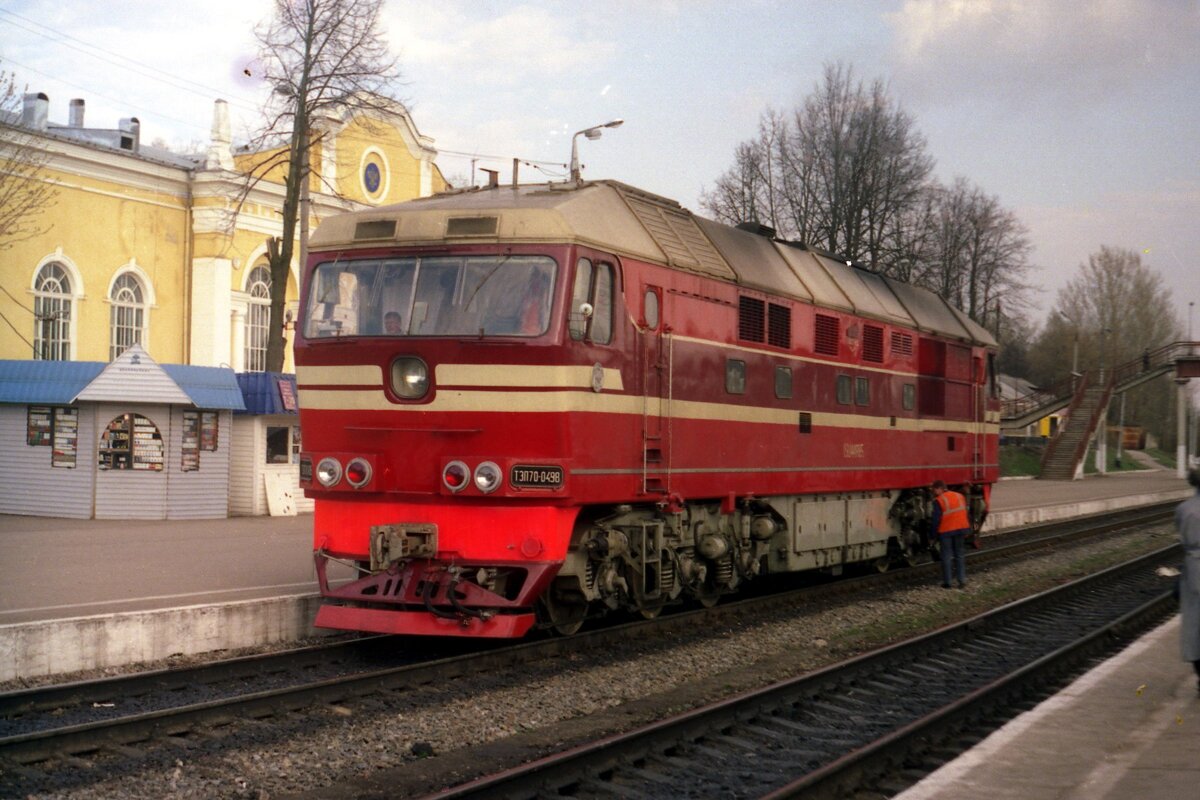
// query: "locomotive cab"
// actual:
[[449, 509]]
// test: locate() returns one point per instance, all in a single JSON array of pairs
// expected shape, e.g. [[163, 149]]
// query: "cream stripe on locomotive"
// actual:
[[455, 400], [552, 377], [349, 375]]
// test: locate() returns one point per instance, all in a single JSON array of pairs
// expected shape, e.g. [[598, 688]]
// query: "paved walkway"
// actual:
[[1127, 730], [71, 568], [1008, 495]]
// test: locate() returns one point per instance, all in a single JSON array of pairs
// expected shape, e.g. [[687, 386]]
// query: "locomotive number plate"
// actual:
[[525, 476]]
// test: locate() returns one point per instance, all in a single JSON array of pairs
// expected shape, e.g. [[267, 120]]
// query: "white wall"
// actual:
[[128, 493], [247, 489], [29, 485], [201, 494]]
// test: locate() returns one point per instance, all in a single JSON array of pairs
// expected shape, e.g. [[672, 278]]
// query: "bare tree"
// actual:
[[318, 57], [848, 172], [868, 163], [978, 254], [24, 189], [836, 173]]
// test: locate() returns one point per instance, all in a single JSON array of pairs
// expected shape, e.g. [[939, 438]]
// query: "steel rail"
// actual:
[[658, 751]]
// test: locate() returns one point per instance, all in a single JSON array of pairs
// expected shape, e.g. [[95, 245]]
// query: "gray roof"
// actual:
[[626, 221]]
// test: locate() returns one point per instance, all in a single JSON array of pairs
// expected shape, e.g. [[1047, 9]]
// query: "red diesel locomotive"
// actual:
[[535, 404]]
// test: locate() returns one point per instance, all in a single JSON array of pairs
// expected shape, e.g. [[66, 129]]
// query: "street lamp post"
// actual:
[[591, 133]]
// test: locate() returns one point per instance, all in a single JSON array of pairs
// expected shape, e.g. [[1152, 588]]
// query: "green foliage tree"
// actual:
[[1114, 309]]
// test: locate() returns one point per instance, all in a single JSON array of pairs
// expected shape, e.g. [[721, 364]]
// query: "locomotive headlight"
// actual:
[[410, 377], [358, 472], [329, 471], [487, 477], [455, 476]]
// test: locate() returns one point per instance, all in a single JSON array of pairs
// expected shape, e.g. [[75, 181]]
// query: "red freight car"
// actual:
[[540, 403]]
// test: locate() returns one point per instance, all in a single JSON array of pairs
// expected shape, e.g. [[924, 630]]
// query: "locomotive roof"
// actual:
[[617, 218]]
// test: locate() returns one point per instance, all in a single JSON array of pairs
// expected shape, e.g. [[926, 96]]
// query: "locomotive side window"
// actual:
[[843, 389], [783, 382], [735, 376], [650, 308], [862, 391], [591, 302]]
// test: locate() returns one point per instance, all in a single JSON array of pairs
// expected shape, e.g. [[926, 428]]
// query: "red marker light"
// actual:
[[358, 472], [455, 476]]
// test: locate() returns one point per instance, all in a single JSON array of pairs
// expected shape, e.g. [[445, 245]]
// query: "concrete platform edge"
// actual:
[[1015, 518], [34, 649]]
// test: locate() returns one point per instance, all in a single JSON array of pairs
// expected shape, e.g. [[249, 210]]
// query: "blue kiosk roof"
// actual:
[[264, 392], [60, 382]]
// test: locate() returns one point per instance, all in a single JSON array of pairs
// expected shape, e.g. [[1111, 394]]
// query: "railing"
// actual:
[[1051, 450], [1059, 393], [1087, 426]]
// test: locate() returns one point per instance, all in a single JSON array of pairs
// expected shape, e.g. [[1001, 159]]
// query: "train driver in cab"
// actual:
[[393, 325]]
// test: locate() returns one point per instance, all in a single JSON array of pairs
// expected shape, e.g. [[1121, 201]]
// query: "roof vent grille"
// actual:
[[472, 226], [375, 229]]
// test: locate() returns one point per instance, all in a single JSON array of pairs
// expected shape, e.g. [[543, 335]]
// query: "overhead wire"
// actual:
[[113, 58], [154, 73]]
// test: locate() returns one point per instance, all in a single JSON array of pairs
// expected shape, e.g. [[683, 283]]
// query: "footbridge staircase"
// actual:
[[1085, 397]]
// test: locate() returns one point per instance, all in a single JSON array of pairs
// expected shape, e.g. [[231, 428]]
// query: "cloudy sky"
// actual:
[[1084, 118]]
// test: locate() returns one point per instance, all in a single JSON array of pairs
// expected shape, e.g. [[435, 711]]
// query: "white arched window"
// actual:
[[128, 317], [52, 307], [258, 318]]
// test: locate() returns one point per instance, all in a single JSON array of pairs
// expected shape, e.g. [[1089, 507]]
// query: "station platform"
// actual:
[[1129, 728], [91, 594]]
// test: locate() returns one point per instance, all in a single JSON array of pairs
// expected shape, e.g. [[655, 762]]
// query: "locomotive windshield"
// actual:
[[433, 296]]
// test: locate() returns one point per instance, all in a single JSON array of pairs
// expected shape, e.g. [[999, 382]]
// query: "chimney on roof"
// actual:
[[130, 134], [76, 118], [219, 155], [35, 111]]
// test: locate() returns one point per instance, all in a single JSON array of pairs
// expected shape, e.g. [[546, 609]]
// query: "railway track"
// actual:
[[873, 724], [126, 717]]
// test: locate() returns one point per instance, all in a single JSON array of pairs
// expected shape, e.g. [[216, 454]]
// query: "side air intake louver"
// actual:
[[827, 335]]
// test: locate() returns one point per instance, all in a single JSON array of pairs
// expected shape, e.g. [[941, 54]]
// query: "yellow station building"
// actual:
[[143, 245]]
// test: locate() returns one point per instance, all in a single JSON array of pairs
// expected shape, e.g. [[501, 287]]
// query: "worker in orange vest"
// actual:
[[952, 523]]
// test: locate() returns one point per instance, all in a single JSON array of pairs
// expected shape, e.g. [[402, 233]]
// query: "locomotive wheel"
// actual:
[[708, 597], [565, 619], [650, 612], [882, 564]]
